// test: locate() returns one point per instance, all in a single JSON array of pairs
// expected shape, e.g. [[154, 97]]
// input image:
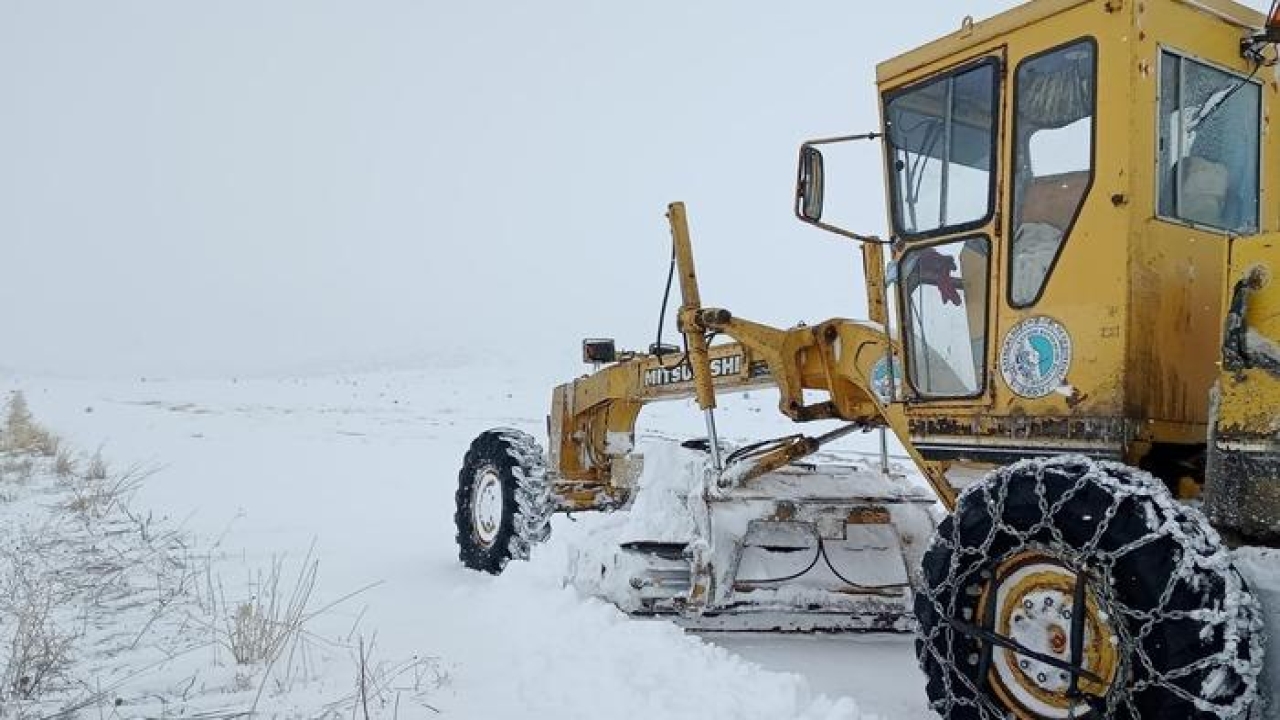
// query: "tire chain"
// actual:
[[1239, 616]]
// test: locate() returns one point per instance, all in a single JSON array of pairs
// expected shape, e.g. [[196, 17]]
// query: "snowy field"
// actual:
[[362, 467]]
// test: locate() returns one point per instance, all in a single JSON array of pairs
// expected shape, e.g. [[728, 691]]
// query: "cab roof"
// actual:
[[972, 34]]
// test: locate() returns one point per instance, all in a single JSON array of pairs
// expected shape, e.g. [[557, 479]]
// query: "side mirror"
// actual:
[[811, 182], [809, 185]]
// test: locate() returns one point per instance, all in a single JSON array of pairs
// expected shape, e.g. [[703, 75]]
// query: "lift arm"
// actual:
[[592, 421]]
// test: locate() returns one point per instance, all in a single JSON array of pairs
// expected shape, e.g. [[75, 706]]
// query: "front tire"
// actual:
[[503, 502], [1169, 627]]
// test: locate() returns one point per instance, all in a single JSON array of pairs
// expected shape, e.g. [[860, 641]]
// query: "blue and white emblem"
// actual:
[[885, 384], [1035, 357]]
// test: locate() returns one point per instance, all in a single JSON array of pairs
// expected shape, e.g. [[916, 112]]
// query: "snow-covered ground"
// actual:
[[364, 465]]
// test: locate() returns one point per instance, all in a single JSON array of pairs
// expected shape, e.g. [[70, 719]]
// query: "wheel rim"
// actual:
[[486, 506], [1034, 597]]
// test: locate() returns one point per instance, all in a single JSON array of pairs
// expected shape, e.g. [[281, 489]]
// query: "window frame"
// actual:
[[895, 206], [907, 323], [1183, 56], [1092, 41]]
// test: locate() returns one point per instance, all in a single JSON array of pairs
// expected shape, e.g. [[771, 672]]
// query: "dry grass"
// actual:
[[39, 651], [98, 581], [17, 469], [97, 469], [64, 464], [37, 648], [258, 630], [22, 435], [53, 578], [97, 497], [380, 688]]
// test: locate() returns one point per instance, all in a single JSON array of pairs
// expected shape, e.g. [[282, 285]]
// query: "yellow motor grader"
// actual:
[[1074, 327]]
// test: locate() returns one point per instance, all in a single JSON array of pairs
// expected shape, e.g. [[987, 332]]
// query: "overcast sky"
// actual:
[[200, 188]]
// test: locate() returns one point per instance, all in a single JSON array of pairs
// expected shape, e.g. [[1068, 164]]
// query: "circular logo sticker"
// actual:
[[884, 384], [1035, 357]]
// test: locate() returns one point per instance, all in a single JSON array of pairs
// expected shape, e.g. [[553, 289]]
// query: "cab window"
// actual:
[[941, 136], [1209, 138], [944, 292], [1054, 99]]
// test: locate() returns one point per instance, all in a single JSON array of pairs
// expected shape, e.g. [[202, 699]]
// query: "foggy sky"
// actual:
[[203, 188]]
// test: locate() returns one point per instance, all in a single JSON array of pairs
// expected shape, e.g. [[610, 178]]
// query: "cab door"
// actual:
[[943, 148]]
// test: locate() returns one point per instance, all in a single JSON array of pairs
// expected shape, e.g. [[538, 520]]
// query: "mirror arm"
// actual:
[[869, 239], [858, 237], [843, 138]]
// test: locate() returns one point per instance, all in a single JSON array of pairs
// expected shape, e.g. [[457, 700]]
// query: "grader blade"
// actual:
[[803, 548]]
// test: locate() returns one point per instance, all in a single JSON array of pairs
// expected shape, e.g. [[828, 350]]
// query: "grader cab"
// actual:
[[1074, 334]]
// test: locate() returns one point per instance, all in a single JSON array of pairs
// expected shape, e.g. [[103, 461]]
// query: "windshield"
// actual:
[[941, 136]]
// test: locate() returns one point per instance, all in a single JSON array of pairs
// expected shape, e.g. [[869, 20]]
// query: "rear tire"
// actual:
[[503, 502], [1170, 626]]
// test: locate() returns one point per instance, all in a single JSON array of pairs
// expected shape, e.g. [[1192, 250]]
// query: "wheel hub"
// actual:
[[1034, 596], [486, 506]]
